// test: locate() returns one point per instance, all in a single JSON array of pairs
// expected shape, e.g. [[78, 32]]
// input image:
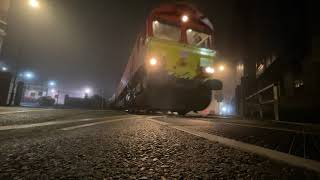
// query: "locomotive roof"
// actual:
[[181, 8]]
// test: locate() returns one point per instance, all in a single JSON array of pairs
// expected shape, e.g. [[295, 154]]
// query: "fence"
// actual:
[[275, 89]]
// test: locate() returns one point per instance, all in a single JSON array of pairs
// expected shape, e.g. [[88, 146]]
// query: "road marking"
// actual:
[[257, 126], [24, 126], [272, 154], [97, 123], [22, 111]]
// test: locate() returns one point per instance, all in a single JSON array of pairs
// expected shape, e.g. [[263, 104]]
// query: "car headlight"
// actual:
[[209, 70]]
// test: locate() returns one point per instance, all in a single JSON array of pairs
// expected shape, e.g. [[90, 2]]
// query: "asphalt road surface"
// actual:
[[83, 144]]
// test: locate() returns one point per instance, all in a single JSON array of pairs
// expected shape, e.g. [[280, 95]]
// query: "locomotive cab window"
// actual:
[[166, 31], [198, 38]]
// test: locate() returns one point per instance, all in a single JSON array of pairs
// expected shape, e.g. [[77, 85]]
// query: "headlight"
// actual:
[[153, 61], [209, 70]]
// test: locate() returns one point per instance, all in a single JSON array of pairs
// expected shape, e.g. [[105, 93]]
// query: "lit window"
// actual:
[[298, 83]]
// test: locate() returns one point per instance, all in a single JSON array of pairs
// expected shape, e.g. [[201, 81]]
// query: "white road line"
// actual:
[[258, 126], [97, 123], [272, 154], [22, 111], [24, 126]]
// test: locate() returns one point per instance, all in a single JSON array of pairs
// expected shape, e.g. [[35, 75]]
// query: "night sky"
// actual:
[[87, 43]]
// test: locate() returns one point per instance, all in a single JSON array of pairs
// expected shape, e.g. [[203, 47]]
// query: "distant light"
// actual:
[[156, 22], [153, 61], [4, 69], [87, 90], [34, 3], [209, 70], [221, 68], [28, 75], [185, 18], [53, 90], [189, 30], [224, 109], [52, 83]]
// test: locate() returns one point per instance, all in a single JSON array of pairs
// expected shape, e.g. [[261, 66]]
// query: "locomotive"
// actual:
[[171, 64]]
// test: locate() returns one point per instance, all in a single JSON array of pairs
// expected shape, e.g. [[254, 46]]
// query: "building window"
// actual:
[[263, 64], [298, 83]]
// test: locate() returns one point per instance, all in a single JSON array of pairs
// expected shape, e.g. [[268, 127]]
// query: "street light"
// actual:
[[4, 69], [52, 83], [87, 90], [28, 75], [34, 3]]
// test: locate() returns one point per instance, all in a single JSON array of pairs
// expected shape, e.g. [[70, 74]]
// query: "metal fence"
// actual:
[[258, 99]]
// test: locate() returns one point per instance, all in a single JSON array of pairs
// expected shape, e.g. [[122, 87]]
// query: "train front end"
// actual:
[[179, 59]]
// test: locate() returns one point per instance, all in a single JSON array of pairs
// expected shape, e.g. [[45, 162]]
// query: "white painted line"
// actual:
[[97, 123], [22, 111], [257, 126], [272, 154], [159, 122], [264, 127], [24, 126]]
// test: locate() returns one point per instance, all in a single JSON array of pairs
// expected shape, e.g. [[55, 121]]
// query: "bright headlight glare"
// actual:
[[153, 61], [209, 70]]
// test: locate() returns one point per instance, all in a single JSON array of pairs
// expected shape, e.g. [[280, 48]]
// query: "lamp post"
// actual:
[[50, 84], [33, 4]]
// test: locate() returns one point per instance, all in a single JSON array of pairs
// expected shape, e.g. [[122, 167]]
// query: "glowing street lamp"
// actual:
[[4, 69], [87, 91], [34, 3], [52, 83], [28, 75]]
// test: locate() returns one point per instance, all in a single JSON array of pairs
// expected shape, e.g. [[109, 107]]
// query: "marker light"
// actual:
[[184, 18], [34, 3], [209, 70], [221, 68], [153, 61], [189, 30]]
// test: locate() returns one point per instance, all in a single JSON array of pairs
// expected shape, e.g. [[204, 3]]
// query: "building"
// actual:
[[278, 41], [4, 6]]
